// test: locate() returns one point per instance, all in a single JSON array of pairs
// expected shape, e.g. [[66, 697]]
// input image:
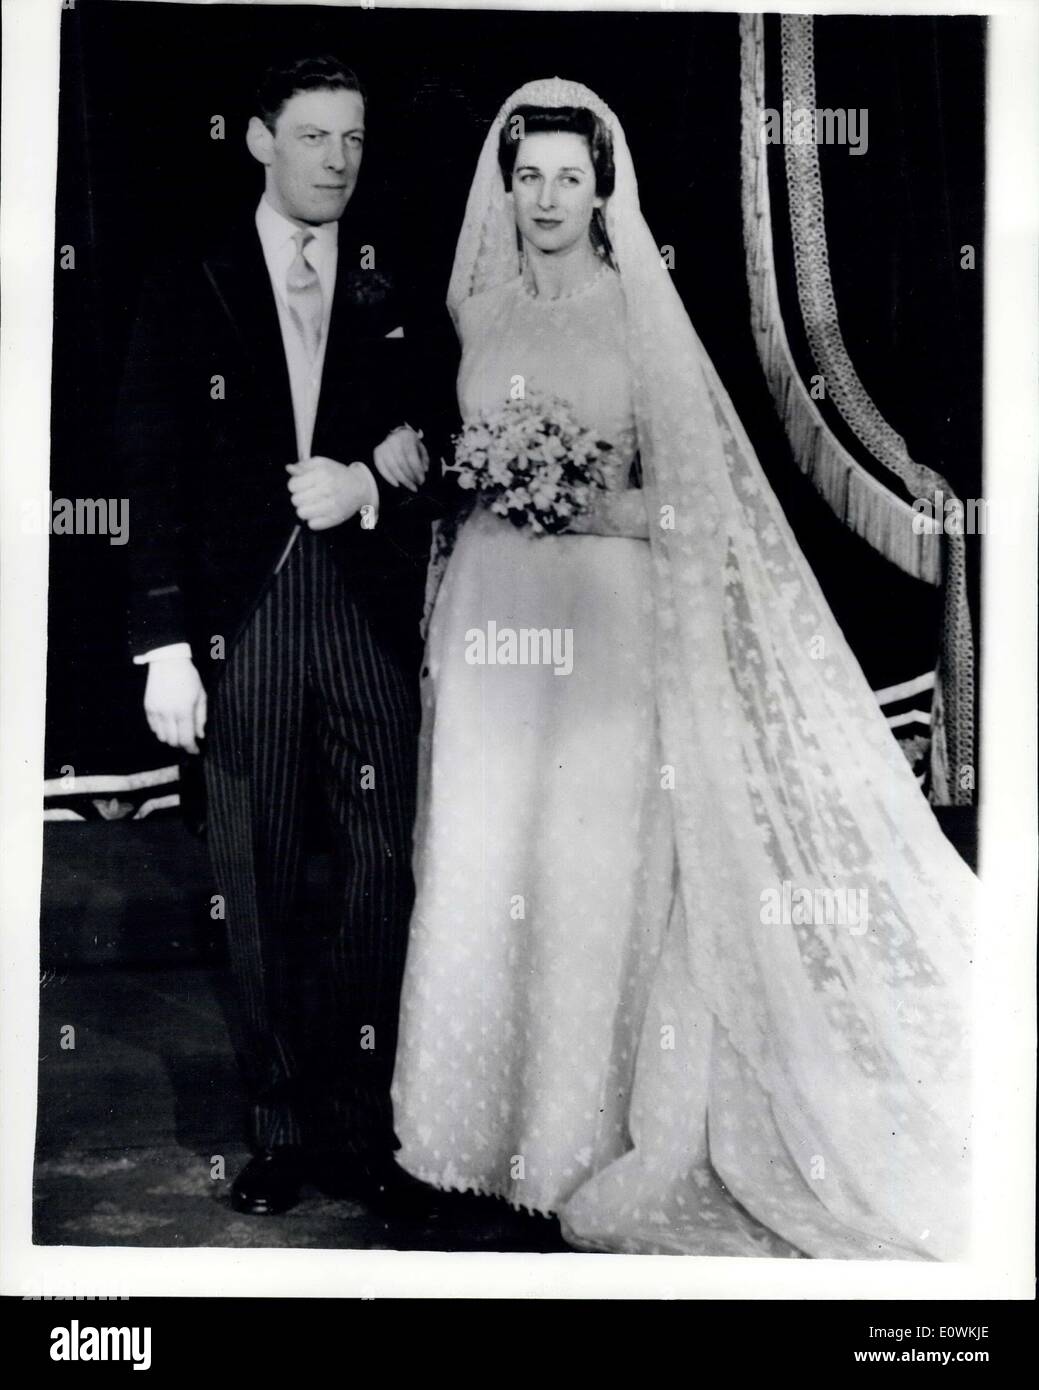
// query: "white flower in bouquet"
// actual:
[[533, 463]]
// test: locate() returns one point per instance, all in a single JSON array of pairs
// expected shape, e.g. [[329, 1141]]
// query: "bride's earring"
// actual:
[[601, 238], [524, 269], [597, 233]]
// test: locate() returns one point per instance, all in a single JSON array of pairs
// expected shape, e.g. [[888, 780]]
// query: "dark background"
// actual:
[[139, 172]]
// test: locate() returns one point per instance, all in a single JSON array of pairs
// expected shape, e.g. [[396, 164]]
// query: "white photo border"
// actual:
[[1001, 1262]]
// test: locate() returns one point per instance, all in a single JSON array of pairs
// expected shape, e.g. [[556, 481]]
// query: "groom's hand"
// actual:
[[401, 458], [326, 493], [175, 702]]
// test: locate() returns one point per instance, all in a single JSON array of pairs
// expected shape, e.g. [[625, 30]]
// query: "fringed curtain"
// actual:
[[874, 511]]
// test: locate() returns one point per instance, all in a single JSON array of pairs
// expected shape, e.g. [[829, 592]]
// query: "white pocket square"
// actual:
[[396, 333]]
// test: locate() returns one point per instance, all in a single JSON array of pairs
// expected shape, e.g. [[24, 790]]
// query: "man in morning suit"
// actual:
[[276, 588]]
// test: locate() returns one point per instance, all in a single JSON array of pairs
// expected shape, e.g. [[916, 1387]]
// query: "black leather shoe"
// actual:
[[393, 1192], [377, 1182], [269, 1183]]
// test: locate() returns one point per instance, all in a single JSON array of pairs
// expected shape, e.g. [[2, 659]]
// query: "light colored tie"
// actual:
[[306, 302]]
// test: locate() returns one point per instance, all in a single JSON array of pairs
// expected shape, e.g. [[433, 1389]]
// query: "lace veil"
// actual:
[[784, 781]]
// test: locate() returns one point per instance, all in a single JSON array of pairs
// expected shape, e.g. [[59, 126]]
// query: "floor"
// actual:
[[139, 1134]]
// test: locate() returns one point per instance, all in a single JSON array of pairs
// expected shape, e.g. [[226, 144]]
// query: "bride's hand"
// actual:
[[402, 459]]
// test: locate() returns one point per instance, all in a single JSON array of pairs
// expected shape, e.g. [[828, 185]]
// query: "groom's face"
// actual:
[[313, 155]]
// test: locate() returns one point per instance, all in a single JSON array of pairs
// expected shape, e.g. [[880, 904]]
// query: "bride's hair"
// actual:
[[572, 120]]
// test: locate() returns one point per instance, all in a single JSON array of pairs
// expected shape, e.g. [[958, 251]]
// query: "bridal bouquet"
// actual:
[[532, 462]]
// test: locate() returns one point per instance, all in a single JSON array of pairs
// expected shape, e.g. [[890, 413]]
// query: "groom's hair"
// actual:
[[322, 72], [573, 120]]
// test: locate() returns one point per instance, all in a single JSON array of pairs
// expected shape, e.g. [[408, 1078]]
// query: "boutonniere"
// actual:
[[367, 286]]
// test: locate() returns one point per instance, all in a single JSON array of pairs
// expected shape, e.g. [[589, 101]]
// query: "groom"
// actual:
[[276, 587]]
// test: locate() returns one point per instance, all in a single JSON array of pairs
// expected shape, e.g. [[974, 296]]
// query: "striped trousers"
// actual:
[[314, 711]]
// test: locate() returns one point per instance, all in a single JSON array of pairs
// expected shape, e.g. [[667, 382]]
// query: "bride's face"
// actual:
[[553, 190]]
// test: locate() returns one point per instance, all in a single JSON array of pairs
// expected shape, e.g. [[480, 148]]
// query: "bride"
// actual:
[[634, 997]]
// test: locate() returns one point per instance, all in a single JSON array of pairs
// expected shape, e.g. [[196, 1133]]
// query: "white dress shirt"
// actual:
[[277, 239]]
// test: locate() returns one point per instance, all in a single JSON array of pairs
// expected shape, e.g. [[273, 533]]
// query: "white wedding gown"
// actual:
[[544, 854], [555, 1048], [544, 849], [599, 1018]]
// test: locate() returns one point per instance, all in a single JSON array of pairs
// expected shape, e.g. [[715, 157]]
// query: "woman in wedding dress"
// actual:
[[611, 1011]]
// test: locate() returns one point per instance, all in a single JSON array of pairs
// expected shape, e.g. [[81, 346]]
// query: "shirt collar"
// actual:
[[277, 231]]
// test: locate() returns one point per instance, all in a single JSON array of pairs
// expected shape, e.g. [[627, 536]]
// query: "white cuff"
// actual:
[[373, 489], [161, 653]]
